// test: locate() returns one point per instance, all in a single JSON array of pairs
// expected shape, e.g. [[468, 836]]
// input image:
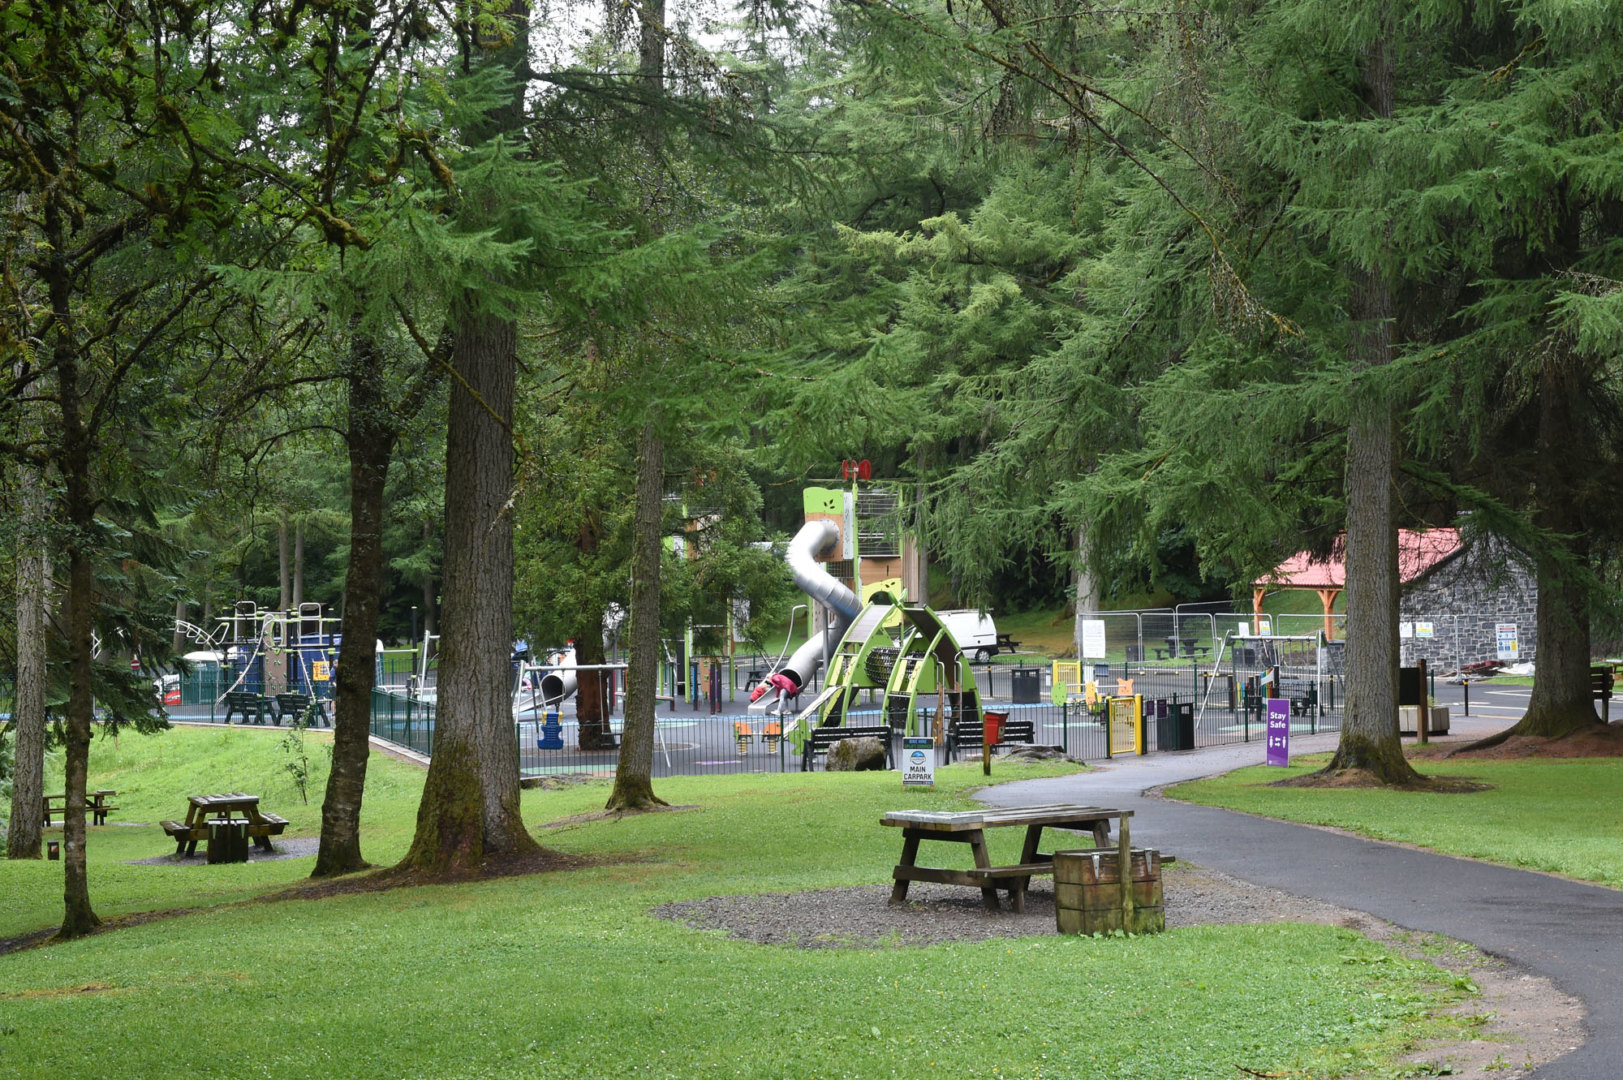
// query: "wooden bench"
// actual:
[[970, 734], [248, 703], [186, 836], [96, 805], [821, 739]]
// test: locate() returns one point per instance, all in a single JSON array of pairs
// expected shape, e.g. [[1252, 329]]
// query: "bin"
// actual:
[[228, 841], [1088, 890], [1026, 686], [1176, 729], [994, 726]]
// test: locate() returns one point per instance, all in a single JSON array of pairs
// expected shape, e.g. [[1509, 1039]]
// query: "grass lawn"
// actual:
[[1555, 815], [568, 975]]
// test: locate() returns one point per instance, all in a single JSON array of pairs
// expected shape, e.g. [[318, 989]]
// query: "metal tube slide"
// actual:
[[557, 685], [813, 539]]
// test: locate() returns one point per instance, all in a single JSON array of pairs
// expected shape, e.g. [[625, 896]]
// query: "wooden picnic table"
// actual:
[[96, 804], [969, 827], [230, 806]]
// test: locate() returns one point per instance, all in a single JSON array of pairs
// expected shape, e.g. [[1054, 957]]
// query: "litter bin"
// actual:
[[228, 841], [1026, 686], [1175, 730]]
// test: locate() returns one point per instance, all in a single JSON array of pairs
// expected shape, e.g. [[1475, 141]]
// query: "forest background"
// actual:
[[385, 303]]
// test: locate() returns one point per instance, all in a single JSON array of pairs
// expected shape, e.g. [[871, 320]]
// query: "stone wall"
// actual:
[[1465, 598]]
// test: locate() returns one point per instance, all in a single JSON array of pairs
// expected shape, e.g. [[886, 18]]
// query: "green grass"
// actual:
[[568, 975], [1551, 815]]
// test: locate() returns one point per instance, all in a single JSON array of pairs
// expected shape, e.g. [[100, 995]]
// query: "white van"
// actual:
[[975, 633]]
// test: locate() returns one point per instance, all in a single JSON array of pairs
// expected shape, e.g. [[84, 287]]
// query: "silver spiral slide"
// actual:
[[816, 538]]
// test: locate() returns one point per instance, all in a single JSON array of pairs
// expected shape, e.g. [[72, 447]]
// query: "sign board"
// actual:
[[320, 671], [1093, 639], [1279, 731], [1422, 629], [1405, 629], [918, 762], [1505, 632]]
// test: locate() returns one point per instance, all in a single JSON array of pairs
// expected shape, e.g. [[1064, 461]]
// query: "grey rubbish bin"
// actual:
[[1026, 685]]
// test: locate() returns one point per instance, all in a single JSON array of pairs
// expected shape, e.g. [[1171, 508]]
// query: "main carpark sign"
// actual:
[[918, 762]]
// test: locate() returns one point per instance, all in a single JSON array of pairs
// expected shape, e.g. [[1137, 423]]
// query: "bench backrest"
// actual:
[[827, 736]]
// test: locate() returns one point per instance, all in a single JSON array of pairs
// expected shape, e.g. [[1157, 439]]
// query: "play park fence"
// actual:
[[1177, 708]]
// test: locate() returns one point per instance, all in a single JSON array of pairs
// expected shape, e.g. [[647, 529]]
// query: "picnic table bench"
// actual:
[[313, 710], [247, 703], [96, 805], [232, 807], [969, 827]]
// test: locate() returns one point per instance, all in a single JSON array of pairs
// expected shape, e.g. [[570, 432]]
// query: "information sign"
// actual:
[[1279, 731], [1405, 629], [918, 762], [1093, 639], [1422, 629], [1508, 647]]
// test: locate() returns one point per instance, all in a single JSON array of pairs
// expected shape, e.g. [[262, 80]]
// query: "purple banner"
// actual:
[[1279, 731]]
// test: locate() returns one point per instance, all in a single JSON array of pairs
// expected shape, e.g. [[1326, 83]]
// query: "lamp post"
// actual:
[[414, 629]]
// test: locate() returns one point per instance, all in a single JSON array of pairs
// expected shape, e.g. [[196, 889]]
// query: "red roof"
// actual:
[[1417, 553]]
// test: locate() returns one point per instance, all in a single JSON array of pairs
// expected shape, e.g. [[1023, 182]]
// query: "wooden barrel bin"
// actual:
[[1091, 898]]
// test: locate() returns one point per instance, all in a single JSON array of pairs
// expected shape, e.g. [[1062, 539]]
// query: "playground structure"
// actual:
[[903, 652], [269, 652]]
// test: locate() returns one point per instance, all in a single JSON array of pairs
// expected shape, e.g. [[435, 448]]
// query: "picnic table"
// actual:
[[969, 827], [231, 808], [96, 804], [1191, 648]]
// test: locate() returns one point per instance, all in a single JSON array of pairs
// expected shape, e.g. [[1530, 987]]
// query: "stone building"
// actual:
[[1461, 603]]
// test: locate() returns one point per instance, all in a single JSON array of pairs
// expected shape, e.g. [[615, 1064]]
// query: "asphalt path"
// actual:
[[1569, 932]]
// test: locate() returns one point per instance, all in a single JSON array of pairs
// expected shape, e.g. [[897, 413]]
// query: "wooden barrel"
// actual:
[[1088, 892]]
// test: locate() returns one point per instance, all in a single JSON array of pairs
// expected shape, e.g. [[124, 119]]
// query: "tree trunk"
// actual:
[[429, 592], [78, 918], [1369, 732], [298, 565], [1561, 700], [33, 570], [372, 434], [633, 780], [470, 805], [1087, 588], [592, 704], [283, 562]]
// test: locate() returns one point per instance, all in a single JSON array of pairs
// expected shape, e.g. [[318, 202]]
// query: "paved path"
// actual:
[[1569, 932]]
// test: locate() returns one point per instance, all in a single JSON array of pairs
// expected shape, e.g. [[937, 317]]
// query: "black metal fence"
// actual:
[[1181, 710]]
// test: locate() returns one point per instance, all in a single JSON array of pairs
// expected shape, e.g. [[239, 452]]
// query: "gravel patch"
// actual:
[[862, 916], [293, 848]]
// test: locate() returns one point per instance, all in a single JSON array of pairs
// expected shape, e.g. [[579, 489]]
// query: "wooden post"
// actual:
[[1422, 723], [1124, 866]]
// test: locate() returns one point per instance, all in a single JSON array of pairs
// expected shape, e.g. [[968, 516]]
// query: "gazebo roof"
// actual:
[[1418, 552]]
